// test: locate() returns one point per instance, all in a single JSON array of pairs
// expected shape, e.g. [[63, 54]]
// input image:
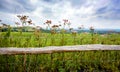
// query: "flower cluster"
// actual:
[[91, 28], [66, 22], [81, 27], [48, 22], [24, 20]]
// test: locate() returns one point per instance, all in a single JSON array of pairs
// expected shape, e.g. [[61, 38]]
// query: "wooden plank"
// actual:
[[53, 49]]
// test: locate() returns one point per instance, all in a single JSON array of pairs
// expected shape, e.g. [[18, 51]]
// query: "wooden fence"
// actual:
[[6, 53], [54, 49]]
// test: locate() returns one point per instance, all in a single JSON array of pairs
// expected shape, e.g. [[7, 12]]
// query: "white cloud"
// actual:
[[34, 1], [84, 14]]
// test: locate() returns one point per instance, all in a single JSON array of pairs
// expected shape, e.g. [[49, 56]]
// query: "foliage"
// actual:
[[62, 62], [56, 35]]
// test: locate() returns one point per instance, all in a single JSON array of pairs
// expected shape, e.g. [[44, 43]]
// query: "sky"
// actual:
[[101, 14]]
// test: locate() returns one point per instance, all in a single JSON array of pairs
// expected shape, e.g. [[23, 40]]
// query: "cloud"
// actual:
[[13, 6], [98, 13]]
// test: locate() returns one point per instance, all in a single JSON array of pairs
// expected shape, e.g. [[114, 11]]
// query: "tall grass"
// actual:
[[58, 62], [28, 39]]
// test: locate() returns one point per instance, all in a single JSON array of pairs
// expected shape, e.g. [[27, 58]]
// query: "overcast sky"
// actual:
[[97, 13]]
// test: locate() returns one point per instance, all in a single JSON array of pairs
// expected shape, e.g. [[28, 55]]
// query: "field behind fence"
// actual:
[[61, 58], [60, 52]]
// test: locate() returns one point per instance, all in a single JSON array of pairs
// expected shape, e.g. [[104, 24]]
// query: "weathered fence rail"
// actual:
[[54, 49]]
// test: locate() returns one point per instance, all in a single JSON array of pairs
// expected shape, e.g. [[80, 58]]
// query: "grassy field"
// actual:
[[30, 39], [59, 62], [24, 36], [85, 61]]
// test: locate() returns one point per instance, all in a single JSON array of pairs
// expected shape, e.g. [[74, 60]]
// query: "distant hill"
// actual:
[[31, 29], [100, 31]]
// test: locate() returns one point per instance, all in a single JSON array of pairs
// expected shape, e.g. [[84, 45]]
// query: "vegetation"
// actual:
[[85, 61], [38, 39], [56, 35]]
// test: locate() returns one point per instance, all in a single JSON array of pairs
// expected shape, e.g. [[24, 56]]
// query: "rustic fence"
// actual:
[[34, 59]]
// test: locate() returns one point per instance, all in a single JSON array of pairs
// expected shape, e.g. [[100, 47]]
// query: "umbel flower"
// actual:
[[4, 25], [48, 22], [70, 29], [81, 27], [65, 21], [74, 33], [30, 22], [54, 29], [17, 23], [23, 18], [55, 26], [91, 28]]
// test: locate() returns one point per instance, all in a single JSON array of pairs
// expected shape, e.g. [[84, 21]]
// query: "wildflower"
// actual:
[[55, 26], [18, 16], [81, 27], [24, 18], [59, 24], [92, 31], [36, 32], [30, 22], [4, 25], [91, 28], [48, 22], [74, 33], [70, 29], [65, 21], [53, 31], [17, 23]]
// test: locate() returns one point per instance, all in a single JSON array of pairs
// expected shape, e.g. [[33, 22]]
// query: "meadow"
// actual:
[[59, 62], [53, 35], [30, 39], [85, 61]]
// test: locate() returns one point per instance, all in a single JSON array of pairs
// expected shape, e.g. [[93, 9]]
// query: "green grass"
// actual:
[[59, 62], [29, 39], [63, 62]]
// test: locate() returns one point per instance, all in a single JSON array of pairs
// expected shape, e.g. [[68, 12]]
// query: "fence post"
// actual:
[[7, 65], [63, 60], [24, 63], [51, 62]]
